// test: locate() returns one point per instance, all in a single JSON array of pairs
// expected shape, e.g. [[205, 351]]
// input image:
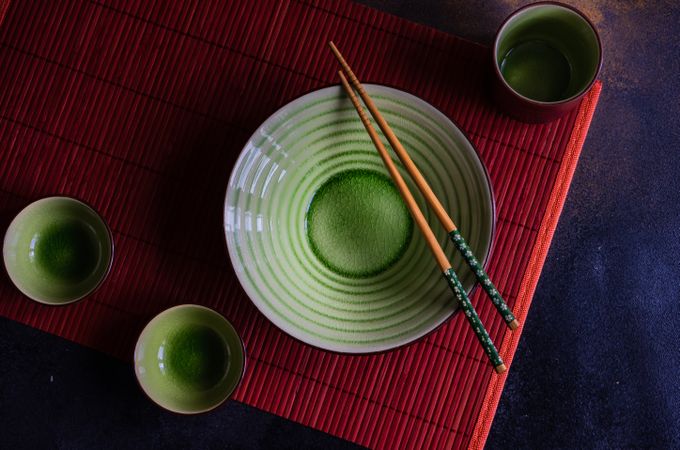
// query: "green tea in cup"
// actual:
[[546, 57]]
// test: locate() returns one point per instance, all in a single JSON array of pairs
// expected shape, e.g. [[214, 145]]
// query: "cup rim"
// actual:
[[515, 13], [176, 410], [99, 283]]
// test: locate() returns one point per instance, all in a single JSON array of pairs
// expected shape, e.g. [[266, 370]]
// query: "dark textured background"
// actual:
[[598, 361]]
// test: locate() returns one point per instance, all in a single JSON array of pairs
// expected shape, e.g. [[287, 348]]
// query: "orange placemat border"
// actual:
[[536, 261]]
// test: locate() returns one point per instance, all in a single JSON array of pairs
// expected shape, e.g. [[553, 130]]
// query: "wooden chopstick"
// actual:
[[431, 198], [429, 236]]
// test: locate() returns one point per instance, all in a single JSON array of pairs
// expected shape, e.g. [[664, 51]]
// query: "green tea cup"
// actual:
[[546, 57], [57, 250], [189, 359]]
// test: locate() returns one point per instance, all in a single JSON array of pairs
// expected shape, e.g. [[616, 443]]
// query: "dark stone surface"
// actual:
[[598, 361], [57, 394]]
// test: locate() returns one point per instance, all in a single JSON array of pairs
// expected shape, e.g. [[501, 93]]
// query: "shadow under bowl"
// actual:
[[189, 359], [57, 250]]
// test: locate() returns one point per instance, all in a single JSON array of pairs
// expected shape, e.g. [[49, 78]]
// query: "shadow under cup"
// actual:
[[546, 56]]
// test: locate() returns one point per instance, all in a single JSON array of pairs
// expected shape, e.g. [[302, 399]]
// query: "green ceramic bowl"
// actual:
[[189, 359], [57, 250], [319, 237]]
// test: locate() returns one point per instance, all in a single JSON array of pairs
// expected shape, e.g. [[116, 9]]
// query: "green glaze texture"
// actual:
[[321, 242], [196, 357], [357, 223], [548, 53], [57, 250], [189, 359]]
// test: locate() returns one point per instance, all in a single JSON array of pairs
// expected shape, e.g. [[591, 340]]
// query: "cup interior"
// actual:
[[57, 250], [547, 53], [189, 359]]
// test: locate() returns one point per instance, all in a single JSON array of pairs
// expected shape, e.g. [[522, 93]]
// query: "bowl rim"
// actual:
[[485, 263], [146, 329], [99, 283], [494, 49]]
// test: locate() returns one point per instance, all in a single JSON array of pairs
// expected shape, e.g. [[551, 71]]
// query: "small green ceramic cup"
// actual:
[[57, 250], [189, 359], [546, 56]]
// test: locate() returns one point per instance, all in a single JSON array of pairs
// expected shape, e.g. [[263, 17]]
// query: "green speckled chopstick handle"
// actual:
[[484, 280], [474, 320]]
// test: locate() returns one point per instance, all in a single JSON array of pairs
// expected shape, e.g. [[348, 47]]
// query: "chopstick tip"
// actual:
[[501, 368], [514, 325]]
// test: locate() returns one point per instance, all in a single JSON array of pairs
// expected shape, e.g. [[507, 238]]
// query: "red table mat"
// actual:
[[141, 108]]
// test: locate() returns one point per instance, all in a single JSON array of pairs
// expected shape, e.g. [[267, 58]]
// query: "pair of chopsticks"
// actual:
[[422, 224]]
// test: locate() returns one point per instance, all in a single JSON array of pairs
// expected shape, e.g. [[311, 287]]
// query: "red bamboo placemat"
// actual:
[[141, 108]]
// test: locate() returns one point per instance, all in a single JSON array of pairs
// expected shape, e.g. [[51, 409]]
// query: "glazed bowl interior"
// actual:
[[320, 238], [57, 250], [189, 359]]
